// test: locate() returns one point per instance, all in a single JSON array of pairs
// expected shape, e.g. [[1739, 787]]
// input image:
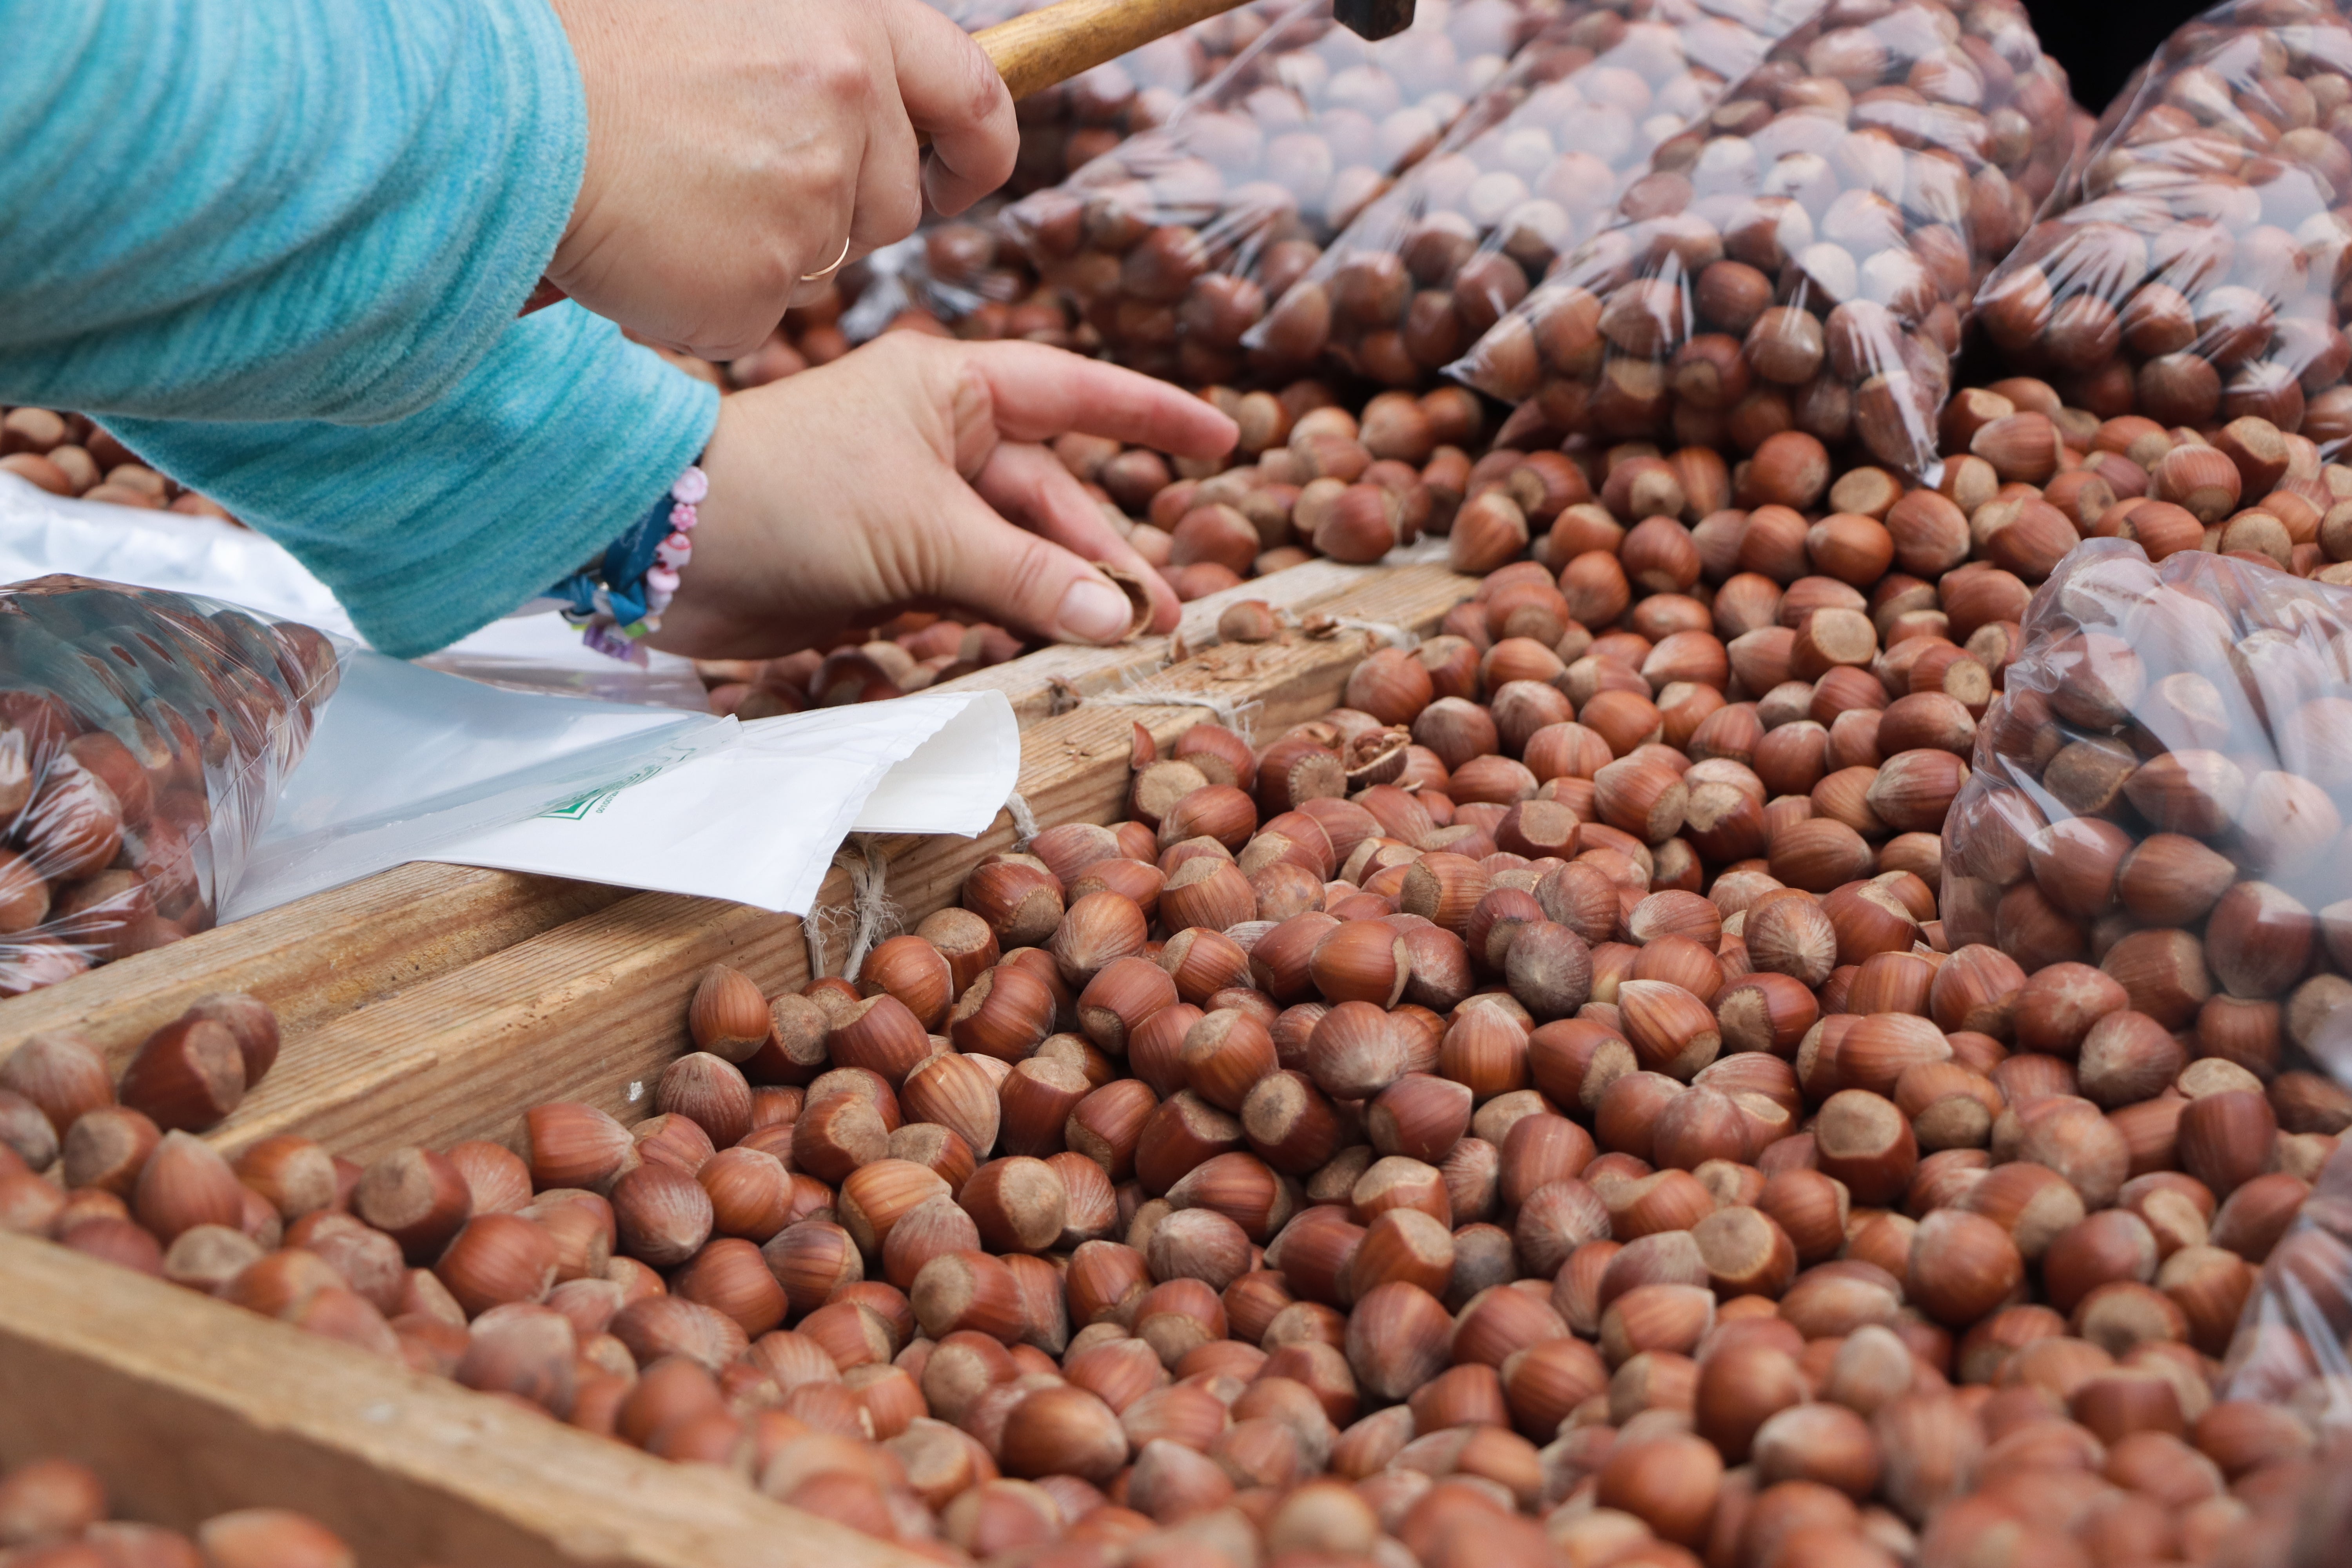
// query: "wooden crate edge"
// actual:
[[189, 1406]]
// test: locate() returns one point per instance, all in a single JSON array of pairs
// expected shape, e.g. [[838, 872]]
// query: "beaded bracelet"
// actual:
[[620, 597]]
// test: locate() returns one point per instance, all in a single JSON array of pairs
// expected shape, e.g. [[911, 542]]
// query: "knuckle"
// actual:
[[829, 169], [902, 210], [984, 92], [841, 74], [772, 275]]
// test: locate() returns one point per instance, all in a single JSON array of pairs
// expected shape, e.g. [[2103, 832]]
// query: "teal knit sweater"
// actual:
[[278, 247]]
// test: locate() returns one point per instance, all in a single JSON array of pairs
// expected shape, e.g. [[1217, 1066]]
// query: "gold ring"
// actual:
[[819, 277]]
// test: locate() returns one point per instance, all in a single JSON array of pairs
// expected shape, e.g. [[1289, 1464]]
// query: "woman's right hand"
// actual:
[[910, 474], [735, 146]]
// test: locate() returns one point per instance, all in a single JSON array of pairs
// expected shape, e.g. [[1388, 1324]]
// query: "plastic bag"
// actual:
[[1172, 245], [1801, 263], [2293, 1349], [411, 760], [2162, 787], [2282, 1428], [143, 737], [961, 273], [41, 534], [2192, 269], [1536, 165]]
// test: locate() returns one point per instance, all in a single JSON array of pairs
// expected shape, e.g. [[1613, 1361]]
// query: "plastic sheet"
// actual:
[[2193, 266], [1537, 164], [143, 738], [1802, 261], [1173, 244]]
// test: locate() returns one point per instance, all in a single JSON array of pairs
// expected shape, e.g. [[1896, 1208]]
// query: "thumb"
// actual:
[[1014, 577]]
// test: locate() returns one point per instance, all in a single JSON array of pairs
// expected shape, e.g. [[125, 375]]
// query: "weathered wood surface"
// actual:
[[1050, 681], [318, 958]]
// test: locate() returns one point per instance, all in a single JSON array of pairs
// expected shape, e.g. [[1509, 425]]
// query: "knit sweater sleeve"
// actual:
[[278, 247], [272, 209], [434, 525]]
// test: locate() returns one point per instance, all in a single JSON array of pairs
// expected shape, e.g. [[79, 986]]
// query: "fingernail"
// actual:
[[1095, 610]]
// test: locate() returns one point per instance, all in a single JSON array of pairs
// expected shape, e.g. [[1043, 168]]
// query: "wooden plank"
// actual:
[[321, 957], [316, 958], [593, 1010], [187, 1407]]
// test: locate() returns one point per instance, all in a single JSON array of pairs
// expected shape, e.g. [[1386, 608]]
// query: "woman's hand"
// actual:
[[734, 146], [883, 482]]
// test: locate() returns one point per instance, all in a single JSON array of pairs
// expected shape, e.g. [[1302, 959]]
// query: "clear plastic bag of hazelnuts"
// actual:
[[1173, 245], [143, 738], [2194, 263], [1537, 164], [1803, 258], [962, 270], [2162, 789], [2293, 1349]]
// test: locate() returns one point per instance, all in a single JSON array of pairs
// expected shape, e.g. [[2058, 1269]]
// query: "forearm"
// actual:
[[272, 209], [430, 527]]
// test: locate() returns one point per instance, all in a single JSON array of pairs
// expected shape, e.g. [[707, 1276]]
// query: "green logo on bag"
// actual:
[[595, 800]]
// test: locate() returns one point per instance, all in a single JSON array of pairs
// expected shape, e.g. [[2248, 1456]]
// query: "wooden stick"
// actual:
[[1057, 42], [187, 1407]]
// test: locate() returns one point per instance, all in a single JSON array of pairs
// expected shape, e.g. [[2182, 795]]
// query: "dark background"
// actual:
[[2102, 42]]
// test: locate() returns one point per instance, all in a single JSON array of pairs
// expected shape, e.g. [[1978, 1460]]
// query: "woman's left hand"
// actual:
[[884, 482]]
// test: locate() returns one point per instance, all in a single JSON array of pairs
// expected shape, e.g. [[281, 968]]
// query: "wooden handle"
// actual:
[[1059, 41]]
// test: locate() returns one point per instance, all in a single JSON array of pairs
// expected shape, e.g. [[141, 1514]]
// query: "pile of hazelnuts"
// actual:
[[910, 652], [1529, 1110], [67, 453], [53, 1514]]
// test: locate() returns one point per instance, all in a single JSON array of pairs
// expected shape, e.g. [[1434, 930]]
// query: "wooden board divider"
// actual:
[[187, 1407], [326, 956]]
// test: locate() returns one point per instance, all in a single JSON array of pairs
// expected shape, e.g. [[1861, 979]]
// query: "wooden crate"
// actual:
[[434, 1004]]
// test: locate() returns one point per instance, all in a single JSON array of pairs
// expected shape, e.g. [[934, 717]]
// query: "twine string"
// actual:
[[866, 917], [1024, 822]]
